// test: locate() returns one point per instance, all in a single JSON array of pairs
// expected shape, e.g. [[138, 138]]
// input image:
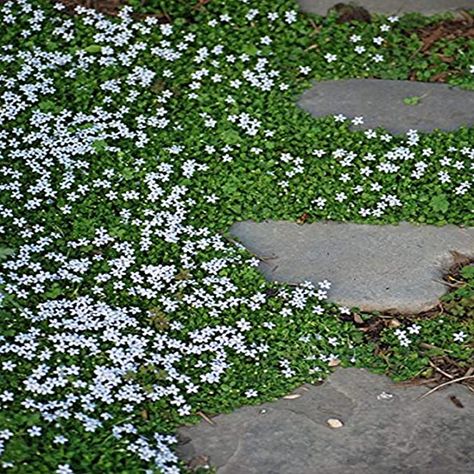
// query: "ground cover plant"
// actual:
[[128, 145]]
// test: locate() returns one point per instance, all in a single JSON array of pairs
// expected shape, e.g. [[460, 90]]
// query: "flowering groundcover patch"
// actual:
[[127, 148]]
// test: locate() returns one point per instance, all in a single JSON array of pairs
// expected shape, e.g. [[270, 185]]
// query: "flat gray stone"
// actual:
[[380, 103], [390, 7], [373, 267], [386, 430]]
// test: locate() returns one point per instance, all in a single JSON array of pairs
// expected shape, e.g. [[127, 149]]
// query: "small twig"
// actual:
[[415, 52], [424, 345], [316, 28], [444, 282], [414, 383], [441, 371], [205, 417], [469, 371], [460, 379], [459, 282]]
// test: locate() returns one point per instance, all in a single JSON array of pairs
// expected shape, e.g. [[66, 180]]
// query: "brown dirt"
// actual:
[[348, 12], [112, 7], [461, 26], [109, 7]]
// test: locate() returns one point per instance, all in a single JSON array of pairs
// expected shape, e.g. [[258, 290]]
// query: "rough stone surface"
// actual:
[[397, 434], [390, 7], [373, 267], [380, 103], [386, 430]]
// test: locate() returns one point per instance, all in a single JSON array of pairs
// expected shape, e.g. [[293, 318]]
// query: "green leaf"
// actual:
[[93, 49], [439, 203], [468, 272], [47, 106], [54, 292], [412, 100], [99, 145], [236, 208], [230, 136], [250, 49], [5, 252]]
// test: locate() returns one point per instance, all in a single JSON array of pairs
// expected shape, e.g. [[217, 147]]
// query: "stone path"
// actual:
[[386, 429], [381, 104], [373, 267], [390, 7]]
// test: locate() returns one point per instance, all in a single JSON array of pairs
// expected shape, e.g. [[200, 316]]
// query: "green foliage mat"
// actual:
[[127, 149]]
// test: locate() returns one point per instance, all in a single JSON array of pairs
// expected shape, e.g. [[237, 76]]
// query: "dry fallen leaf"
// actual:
[[440, 77], [302, 219], [334, 362], [198, 462], [463, 15], [394, 323], [357, 318], [446, 59], [434, 36], [459, 259], [334, 423]]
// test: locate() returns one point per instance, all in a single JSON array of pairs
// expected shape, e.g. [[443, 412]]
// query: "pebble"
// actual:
[[335, 423]]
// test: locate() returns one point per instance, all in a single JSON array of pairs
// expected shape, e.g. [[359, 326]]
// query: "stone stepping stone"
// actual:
[[374, 267], [381, 104], [386, 429], [390, 7]]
